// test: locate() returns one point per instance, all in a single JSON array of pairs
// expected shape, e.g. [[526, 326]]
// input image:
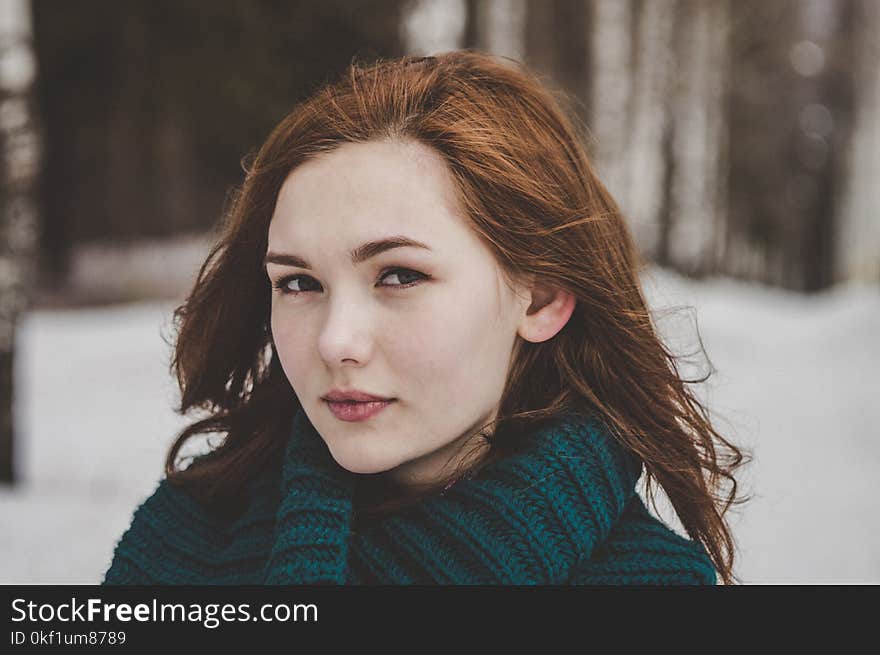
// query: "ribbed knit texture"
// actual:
[[563, 511]]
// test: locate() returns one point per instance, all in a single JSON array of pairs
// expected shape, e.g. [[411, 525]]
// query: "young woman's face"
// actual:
[[431, 327]]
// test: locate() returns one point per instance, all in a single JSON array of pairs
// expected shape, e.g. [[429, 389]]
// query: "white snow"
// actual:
[[795, 381]]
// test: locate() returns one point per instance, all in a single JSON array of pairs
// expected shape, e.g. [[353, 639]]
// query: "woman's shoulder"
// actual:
[[131, 555], [170, 529], [643, 550]]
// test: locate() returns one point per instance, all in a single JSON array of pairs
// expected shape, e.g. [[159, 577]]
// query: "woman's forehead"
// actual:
[[369, 190], [374, 170]]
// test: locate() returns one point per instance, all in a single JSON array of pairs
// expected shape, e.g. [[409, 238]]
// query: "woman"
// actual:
[[423, 336]]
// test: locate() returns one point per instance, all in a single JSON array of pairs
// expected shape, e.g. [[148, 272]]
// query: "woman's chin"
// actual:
[[364, 465]]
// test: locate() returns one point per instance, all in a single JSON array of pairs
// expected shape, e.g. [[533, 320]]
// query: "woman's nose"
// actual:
[[345, 335]]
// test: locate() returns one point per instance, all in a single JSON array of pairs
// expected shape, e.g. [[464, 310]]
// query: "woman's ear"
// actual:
[[548, 313]]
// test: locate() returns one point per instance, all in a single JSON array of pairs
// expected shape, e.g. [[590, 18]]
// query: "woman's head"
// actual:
[[429, 326], [526, 302]]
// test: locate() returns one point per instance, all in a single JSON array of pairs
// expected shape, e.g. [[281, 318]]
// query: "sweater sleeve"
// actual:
[[529, 522], [642, 550]]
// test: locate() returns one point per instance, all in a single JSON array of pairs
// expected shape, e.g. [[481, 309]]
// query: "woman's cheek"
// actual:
[[292, 349], [440, 346]]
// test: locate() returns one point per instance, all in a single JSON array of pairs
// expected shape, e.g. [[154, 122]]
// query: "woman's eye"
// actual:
[[403, 274], [286, 284], [293, 285]]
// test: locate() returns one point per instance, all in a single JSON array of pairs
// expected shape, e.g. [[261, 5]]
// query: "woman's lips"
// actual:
[[357, 411]]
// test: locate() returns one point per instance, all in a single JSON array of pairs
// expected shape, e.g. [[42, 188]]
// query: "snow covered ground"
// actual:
[[795, 382]]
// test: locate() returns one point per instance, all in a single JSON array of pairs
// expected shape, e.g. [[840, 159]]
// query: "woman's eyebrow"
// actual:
[[360, 254]]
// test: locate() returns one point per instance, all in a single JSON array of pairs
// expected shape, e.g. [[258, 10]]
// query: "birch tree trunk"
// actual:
[[647, 167], [612, 95], [501, 27], [432, 26], [699, 145], [19, 144], [857, 245]]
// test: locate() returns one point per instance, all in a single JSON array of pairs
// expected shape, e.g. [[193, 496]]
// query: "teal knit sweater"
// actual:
[[564, 510]]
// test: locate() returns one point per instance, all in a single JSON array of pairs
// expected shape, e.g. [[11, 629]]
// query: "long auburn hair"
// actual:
[[531, 194]]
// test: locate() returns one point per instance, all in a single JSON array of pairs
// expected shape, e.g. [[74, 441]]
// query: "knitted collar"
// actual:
[[528, 518]]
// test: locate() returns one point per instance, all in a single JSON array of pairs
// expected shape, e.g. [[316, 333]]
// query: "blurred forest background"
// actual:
[[740, 138]]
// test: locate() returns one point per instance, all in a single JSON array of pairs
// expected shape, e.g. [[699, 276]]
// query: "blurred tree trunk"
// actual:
[[612, 105], [857, 242], [20, 158], [829, 25], [540, 39], [557, 45], [652, 63], [431, 26], [128, 158], [693, 221], [499, 27]]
